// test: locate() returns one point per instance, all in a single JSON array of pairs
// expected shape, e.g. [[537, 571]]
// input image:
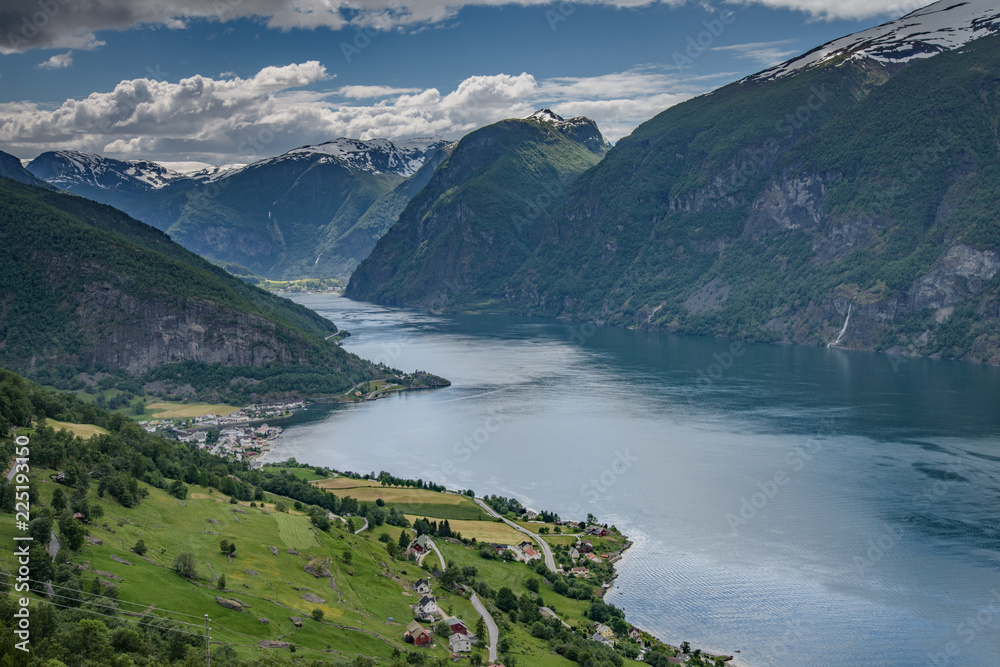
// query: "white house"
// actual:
[[459, 643]]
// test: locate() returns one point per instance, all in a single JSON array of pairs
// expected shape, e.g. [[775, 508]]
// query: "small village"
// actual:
[[239, 435], [430, 620]]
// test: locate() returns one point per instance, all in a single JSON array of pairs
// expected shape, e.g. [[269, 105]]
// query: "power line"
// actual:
[[138, 604], [91, 611]]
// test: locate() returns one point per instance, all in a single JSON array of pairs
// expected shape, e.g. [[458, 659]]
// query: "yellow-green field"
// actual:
[[188, 411], [483, 531], [84, 431], [370, 491]]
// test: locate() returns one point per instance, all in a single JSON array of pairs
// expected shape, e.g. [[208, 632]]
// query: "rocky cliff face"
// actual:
[[142, 334]]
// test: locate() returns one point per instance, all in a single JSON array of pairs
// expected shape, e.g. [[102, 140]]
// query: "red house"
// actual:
[[417, 635]]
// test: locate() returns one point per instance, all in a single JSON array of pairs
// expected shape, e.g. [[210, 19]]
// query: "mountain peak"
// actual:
[[941, 26]]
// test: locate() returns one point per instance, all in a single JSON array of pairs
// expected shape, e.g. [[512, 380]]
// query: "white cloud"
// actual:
[[242, 119], [369, 92], [763, 53], [58, 61], [27, 24]]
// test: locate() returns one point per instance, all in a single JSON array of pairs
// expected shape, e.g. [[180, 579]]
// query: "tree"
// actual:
[[41, 529], [392, 549], [140, 548], [232, 548], [185, 565], [480, 630], [685, 647], [224, 546], [58, 500], [72, 532], [178, 490], [531, 583], [404, 540], [347, 557], [317, 614], [222, 582], [506, 600]]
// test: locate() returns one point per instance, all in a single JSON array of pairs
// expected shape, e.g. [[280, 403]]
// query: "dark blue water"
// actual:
[[803, 506]]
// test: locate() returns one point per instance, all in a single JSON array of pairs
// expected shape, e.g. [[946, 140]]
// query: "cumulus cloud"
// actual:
[[58, 61], [234, 119], [27, 24]]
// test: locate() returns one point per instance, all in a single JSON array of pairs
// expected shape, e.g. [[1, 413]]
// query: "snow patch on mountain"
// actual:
[[552, 118], [942, 26], [375, 156]]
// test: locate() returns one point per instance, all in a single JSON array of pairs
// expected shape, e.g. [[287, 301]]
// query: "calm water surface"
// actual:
[[804, 506]]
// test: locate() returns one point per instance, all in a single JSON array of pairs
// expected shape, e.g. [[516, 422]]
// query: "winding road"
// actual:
[[550, 562], [444, 565], [491, 626]]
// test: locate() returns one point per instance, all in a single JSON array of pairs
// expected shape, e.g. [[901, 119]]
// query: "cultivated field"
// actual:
[[84, 431], [188, 411]]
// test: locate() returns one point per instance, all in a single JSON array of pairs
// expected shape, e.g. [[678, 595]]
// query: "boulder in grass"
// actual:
[[317, 568], [273, 644], [235, 605], [252, 573], [315, 599], [296, 621], [274, 551], [264, 621]]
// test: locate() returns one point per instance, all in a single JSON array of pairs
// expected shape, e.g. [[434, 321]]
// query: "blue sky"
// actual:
[[175, 84]]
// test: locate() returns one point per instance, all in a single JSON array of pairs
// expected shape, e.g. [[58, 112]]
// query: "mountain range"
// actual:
[[313, 211], [846, 197]]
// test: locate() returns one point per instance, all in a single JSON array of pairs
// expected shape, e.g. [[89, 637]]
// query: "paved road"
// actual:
[[13, 469], [550, 562], [491, 626], [551, 614], [444, 565], [53, 545]]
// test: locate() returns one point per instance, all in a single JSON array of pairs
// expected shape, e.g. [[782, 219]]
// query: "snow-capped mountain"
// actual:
[[942, 26], [374, 156], [71, 170], [581, 127], [549, 116]]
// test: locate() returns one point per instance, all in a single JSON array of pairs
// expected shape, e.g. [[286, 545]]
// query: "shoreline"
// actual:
[[605, 587]]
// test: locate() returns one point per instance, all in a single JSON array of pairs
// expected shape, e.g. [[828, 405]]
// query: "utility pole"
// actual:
[[208, 653]]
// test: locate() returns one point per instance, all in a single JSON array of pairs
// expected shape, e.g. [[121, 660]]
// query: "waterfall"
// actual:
[[846, 322]]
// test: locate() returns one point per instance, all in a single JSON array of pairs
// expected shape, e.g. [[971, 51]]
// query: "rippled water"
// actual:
[[803, 506]]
